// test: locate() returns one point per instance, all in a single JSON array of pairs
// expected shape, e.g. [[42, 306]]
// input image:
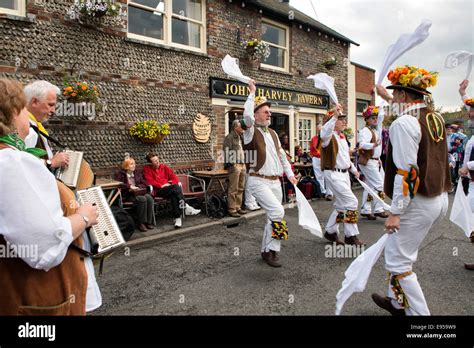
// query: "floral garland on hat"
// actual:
[[412, 76], [370, 111], [469, 102]]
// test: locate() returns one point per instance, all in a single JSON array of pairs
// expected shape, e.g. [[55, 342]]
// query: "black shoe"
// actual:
[[369, 216], [469, 266], [333, 237], [386, 303]]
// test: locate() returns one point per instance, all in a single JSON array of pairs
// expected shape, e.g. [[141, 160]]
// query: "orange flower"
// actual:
[[74, 94], [84, 88]]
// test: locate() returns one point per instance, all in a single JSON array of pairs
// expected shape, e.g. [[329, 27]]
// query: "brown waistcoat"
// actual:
[[60, 291], [432, 161], [329, 154], [365, 155], [258, 146]]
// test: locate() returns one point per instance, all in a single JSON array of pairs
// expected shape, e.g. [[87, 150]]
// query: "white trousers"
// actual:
[[470, 195], [269, 195], [250, 201], [401, 249], [319, 175], [374, 177], [340, 185]]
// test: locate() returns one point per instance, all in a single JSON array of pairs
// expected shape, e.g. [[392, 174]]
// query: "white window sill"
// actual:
[[171, 48]]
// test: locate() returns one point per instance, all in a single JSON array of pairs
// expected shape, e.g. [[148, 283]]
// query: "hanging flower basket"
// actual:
[[86, 11], [257, 50], [330, 63], [158, 139], [149, 132]]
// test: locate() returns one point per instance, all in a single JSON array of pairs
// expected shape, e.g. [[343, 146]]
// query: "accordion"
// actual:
[[70, 174], [106, 235]]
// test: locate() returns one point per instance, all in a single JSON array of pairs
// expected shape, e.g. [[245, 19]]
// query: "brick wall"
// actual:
[[365, 81], [157, 82]]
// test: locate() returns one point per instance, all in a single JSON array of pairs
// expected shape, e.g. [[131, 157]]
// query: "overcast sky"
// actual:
[[377, 24]]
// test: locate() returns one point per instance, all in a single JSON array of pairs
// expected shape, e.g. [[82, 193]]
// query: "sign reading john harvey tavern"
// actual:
[[235, 90]]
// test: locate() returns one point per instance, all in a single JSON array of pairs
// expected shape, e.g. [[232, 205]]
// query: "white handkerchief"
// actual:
[[373, 194], [231, 68], [461, 213], [456, 58], [326, 82], [306, 216], [404, 43], [358, 273]]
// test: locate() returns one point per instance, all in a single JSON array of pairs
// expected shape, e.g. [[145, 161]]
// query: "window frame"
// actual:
[[286, 59], [168, 16], [312, 129], [20, 12]]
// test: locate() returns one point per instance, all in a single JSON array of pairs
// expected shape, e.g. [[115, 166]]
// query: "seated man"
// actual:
[[166, 184]]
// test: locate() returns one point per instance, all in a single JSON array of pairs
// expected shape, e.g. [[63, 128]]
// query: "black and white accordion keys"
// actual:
[[70, 174], [106, 235]]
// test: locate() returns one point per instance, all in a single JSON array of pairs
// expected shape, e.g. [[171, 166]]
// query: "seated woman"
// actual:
[[166, 184], [134, 189], [46, 276]]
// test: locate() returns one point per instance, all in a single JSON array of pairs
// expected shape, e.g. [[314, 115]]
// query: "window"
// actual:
[[179, 23], [361, 106], [305, 131], [14, 7], [276, 35]]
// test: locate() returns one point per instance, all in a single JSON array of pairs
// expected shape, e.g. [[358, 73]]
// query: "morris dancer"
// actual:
[[336, 164], [417, 180], [370, 149], [265, 172]]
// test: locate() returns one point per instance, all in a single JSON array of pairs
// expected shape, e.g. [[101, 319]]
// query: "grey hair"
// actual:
[[235, 124], [39, 90]]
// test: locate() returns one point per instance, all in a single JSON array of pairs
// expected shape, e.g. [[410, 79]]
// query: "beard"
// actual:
[[264, 123]]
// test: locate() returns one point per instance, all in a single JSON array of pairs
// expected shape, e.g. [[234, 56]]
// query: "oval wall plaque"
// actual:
[[201, 128]]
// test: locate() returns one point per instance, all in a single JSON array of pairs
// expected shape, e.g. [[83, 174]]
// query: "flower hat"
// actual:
[[412, 78], [370, 111], [259, 102]]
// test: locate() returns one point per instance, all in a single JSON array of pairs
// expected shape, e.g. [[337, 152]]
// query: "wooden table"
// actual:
[[112, 186], [218, 175], [304, 169], [211, 176]]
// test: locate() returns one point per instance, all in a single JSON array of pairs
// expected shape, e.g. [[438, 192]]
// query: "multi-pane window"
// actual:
[[15, 7], [178, 23], [276, 36], [305, 133]]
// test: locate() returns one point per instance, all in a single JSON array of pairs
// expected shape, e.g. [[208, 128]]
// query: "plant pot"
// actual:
[[158, 139], [254, 63]]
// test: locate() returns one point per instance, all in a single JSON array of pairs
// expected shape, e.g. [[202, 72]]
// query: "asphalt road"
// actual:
[[219, 271]]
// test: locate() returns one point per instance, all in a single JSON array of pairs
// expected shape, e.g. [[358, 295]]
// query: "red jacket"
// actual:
[[159, 177], [313, 150]]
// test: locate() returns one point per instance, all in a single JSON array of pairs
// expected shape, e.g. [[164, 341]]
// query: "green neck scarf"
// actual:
[[18, 143], [263, 128]]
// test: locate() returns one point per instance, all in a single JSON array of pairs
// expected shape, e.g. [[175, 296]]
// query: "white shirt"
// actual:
[[31, 217], [93, 295], [365, 136], [32, 139], [275, 163], [343, 158], [405, 137], [30, 209], [467, 155]]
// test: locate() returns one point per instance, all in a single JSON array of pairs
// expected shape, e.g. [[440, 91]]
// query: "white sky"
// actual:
[[377, 24]]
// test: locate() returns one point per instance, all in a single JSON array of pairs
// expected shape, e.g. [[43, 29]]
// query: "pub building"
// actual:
[[161, 60]]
